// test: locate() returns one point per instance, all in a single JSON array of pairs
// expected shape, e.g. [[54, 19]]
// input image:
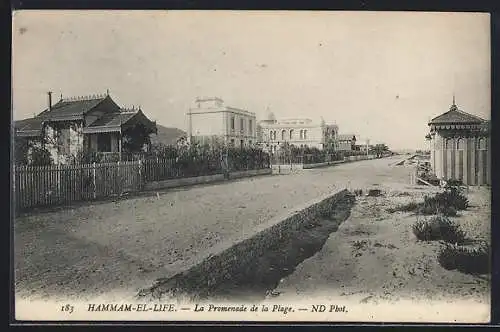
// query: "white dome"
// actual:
[[270, 116]]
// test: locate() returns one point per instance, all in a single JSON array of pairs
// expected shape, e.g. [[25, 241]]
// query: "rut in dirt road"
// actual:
[[263, 274]]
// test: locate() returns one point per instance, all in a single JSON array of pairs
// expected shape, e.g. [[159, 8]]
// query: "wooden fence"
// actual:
[[62, 184], [39, 186]]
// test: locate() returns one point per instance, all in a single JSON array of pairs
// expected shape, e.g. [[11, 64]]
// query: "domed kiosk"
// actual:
[[460, 147]]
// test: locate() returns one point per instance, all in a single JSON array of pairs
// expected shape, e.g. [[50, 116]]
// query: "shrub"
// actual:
[[453, 197], [40, 156], [474, 260], [438, 228], [453, 183], [432, 206], [447, 202]]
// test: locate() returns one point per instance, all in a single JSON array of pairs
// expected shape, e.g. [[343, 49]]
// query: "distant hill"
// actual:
[[167, 135]]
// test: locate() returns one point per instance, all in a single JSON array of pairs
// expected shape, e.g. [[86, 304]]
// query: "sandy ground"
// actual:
[[374, 256], [125, 245]]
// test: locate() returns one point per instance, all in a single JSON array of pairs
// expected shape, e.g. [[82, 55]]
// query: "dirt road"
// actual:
[[125, 245]]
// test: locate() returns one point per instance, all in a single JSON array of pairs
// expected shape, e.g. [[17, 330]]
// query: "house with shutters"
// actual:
[[77, 126], [346, 142], [460, 147]]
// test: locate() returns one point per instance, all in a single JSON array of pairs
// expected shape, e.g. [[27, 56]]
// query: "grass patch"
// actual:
[[438, 228], [447, 203], [472, 260], [409, 207]]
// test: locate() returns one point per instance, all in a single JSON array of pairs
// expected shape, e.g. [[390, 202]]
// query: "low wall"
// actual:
[[183, 182], [345, 160], [173, 183], [254, 172], [286, 169], [215, 269], [357, 158], [316, 165]]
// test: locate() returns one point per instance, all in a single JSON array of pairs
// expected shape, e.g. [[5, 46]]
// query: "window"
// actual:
[[460, 144], [481, 144], [242, 124], [232, 122], [242, 143], [301, 134], [291, 133], [250, 126], [283, 133], [305, 134], [232, 142], [104, 143], [447, 143]]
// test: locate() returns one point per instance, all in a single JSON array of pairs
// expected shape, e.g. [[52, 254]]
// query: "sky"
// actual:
[[379, 75]]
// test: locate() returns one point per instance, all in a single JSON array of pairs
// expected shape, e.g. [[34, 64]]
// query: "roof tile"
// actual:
[[70, 108], [454, 115]]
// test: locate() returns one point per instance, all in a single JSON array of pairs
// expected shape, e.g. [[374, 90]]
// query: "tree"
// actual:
[[21, 150], [380, 149], [40, 156], [135, 137], [28, 153]]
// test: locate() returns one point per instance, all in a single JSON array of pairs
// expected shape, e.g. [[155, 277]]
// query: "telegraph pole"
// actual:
[[190, 126]]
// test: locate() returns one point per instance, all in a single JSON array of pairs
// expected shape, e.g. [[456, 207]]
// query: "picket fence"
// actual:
[[40, 186], [62, 184]]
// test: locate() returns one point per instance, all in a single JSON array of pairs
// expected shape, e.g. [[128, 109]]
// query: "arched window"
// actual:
[[291, 133], [283, 133], [447, 143], [460, 144], [305, 134], [301, 134], [481, 144]]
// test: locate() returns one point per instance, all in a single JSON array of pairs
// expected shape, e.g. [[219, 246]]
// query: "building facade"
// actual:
[[460, 147], [300, 132], [87, 124], [210, 121], [347, 142]]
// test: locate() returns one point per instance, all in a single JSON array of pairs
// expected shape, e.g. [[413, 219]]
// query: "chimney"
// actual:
[[50, 100]]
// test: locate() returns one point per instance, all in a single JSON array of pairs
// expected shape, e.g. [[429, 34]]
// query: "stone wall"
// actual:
[[228, 262]]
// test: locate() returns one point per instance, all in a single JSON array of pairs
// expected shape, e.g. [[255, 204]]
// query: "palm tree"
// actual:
[[380, 149]]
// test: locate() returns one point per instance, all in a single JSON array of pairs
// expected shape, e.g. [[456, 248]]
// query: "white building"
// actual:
[[347, 142], [300, 132], [210, 121]]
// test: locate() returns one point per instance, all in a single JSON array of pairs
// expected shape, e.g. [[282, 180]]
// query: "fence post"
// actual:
[[60, 194], [140, 174], [119, 179], [94, 180]]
